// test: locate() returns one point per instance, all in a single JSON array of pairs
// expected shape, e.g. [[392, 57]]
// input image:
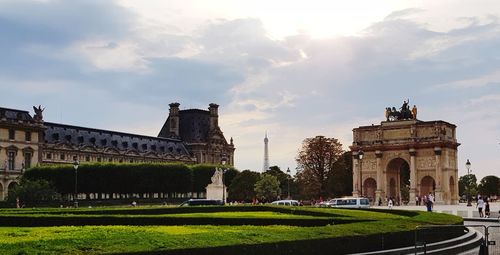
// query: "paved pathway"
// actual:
[[471, 216], [461, 210]]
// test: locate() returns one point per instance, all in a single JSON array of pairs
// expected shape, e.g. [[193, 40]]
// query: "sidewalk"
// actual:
[[461, 210]]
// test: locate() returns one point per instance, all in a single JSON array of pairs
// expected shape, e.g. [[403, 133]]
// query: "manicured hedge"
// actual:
[[134, 178]]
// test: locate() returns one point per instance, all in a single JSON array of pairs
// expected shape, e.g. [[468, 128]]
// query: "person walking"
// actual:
[[487, 208], [480, 206], [390, 203], [430, 202]]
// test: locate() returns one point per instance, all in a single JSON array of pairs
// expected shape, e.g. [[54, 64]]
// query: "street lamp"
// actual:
[[75, 165], [223, 162], [467, 165], [360, 156], [288, 180]]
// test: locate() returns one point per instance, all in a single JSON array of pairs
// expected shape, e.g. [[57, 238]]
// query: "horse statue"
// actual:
[[38, 113], [392, 114], [404, 113]]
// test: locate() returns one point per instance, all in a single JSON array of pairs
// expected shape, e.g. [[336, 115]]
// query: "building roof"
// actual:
[[194, 126], [15, 115], [81, 136]]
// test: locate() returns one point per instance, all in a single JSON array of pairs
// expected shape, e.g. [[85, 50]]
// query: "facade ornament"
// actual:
[[38, 113], [414, 112]]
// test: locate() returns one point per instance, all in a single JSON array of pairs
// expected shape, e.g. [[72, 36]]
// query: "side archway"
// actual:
[[427, 185], [369, 187]]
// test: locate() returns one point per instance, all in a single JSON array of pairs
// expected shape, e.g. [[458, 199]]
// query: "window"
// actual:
[[11, 156], [49, 155], [62, 156], [12, 134], [28, 136], [27, 160]]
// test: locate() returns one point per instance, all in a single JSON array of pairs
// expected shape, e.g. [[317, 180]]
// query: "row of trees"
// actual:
[[324, 170], [141, 178], [488, 186]]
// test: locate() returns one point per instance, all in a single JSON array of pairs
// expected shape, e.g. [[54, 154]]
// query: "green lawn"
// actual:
[[119, 239]]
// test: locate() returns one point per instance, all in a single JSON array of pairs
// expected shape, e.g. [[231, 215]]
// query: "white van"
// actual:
[[350, 202], [286, 202]]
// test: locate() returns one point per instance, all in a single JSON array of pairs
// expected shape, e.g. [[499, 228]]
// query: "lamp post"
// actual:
[[360, 156], [288, 180], [75, 165], [223, 162], [467, 165]]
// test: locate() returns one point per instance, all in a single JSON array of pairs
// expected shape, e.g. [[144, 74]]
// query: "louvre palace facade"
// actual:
[[189, 136]]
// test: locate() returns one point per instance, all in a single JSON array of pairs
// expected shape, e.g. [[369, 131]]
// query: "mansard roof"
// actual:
[[15, 115], [194, 126], [99, 138]]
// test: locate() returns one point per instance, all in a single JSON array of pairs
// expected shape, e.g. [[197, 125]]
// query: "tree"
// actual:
[[283, 179], [316, 159], [467, 185], [340, 179], [242, 186], [489, 185], [33, 192], [267, 188]]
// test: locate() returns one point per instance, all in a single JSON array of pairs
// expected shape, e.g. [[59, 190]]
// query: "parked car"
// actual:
[[349, 202], [197, 202], [286, 202]]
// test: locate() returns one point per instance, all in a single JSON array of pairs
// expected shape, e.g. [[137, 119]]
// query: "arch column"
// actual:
[[379, 193], [439, 172], [413, 177], [355, 175]]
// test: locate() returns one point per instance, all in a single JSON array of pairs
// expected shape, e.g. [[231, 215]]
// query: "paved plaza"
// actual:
[[461, 210]]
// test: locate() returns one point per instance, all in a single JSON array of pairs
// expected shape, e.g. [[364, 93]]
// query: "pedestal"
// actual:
[[216, 192], [411, 200], [379, 196]]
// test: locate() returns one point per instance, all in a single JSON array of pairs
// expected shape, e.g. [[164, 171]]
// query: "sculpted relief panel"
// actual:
[[369, 165], [426, 162], [397, 134], [426, 132], [368, 136]]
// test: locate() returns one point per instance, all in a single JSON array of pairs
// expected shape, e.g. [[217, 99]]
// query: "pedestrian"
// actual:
[[416, 200], [379, 201], [487, 208], [480, 206], [389, 203], [430, 202]]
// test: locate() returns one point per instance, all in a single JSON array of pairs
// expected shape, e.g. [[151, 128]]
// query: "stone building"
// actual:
[[402, 159], [19, 146], [188, 136]]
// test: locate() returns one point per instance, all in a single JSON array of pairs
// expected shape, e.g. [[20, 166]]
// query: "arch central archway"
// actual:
[[398, 180]]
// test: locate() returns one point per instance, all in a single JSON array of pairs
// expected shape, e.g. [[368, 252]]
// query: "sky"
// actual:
[[293, 69]]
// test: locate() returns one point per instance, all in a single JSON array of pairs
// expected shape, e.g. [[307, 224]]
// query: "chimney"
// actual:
[[174, 119], [214, 116]]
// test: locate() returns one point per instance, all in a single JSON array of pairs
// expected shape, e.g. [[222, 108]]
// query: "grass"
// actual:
[[120, 239]]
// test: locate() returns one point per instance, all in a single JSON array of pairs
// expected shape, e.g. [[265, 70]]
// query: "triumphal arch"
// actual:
[[404, 157]]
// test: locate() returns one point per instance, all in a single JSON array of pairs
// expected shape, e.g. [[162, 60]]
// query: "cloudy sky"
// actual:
[[295, 69]]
